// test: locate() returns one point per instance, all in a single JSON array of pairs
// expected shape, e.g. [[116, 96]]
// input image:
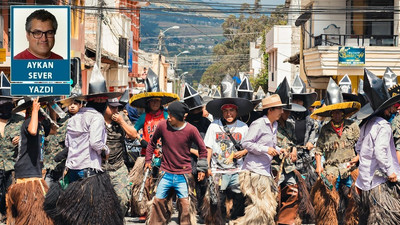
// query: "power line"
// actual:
[[231, 8], [201, 35]]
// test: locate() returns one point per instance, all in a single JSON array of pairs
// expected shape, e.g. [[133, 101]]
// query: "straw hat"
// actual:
[[334, 101], [271, 101]]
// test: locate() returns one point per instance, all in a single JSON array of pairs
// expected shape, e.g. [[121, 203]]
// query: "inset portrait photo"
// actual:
[[40, 33]]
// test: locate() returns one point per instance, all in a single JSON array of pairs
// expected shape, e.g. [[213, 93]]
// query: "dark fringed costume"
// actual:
[[326, 202], [25, 202], [295, 200], [219, 206], [136, 176], [90, 200], [335, 206], [211, 208], [381, 205], [260, 192]]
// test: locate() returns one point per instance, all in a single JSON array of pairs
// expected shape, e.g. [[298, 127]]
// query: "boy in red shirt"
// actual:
[[177, 137]]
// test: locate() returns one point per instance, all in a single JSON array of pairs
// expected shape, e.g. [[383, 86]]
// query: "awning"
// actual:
[[92, 47]]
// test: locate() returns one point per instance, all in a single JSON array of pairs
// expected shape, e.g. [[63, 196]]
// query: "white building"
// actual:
[[371, 27], [256, 57], [116, 30], [282, 42]]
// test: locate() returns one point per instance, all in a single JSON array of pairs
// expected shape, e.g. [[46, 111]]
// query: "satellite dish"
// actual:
[[302, 19]]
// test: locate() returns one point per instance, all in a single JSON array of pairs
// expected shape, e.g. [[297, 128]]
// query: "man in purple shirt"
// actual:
[[89, 197], [379, 169], [177, 137], [256, 181]]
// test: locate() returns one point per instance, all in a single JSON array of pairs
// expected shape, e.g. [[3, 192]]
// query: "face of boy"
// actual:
[[172, 120], [155, 104], [229, 114]]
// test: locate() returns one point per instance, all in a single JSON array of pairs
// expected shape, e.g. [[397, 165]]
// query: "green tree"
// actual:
[[232, 56]]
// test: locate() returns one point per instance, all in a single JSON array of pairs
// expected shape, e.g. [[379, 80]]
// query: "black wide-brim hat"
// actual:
[[348, 97], [194, 103], [140, 100], [68, 101], [99, 95], [244, 106], [28, 103], [255, 102], [293, 107], [367, 111], [377, 94], [7, 97], [308, 98]]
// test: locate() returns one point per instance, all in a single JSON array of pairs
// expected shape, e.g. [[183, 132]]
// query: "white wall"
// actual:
[[396, 17], [322, 20], [255, 59], [279, 42]]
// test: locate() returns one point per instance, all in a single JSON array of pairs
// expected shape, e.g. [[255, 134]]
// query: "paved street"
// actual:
[[135, 220]]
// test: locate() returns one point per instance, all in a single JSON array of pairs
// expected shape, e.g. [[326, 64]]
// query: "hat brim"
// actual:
[[98, 95], [350, 97], [68, 101], [196, 107], [367, 111], [349, 109], [114, 104], [9, 98], [316, 104], [261, 108], [363, 99], [28, 103], [255, 102], [293, 107], [140, 100], [214, 106], [309, 98]]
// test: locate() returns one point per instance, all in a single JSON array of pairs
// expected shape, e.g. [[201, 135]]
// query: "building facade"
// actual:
[[345, 36], [283, 43]]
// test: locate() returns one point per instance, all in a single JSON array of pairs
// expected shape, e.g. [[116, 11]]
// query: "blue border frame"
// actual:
[[68, 8]]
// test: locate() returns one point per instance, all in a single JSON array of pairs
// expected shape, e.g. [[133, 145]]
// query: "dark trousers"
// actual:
[[6, 179]]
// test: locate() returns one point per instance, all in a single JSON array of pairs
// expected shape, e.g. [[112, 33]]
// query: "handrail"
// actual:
[[360, 40]]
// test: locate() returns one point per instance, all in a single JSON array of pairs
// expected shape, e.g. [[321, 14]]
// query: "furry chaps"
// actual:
[[25, 202]]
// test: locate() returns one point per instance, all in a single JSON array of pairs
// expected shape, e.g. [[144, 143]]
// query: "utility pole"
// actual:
[[160, 40], [100, 4]]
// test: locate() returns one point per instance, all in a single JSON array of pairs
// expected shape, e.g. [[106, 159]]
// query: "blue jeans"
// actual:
[[230, 180], [348, 181], [172, 181]]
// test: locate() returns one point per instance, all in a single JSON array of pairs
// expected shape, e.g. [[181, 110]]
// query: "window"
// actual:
[[377, 26], [123, 49]]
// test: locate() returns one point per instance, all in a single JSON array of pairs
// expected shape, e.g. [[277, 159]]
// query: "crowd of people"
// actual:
[[282, 158]]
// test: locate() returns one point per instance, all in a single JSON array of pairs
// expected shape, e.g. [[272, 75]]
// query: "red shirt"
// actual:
[[176, 147], [27, 55], [150, 124]]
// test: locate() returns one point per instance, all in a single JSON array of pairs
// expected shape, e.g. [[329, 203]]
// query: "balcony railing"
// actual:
[[355, 40]]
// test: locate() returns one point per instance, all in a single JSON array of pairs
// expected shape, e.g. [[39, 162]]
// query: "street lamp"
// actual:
[[160, 40], [176, 66], [176, 57], [180, 79]]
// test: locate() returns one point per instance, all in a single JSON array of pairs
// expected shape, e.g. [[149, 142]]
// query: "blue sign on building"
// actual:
[[350, 56], [40, 50]]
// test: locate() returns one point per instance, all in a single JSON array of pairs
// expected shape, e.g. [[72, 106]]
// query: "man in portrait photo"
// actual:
[[41, 27]]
